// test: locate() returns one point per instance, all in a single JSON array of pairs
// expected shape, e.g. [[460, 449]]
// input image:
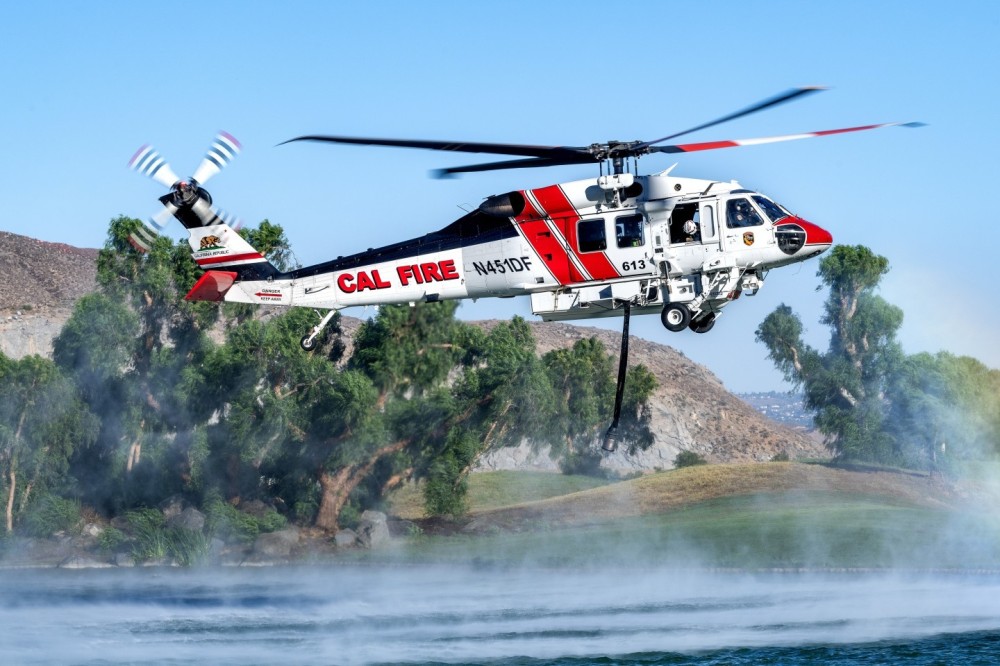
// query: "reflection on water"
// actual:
[[354, 615]]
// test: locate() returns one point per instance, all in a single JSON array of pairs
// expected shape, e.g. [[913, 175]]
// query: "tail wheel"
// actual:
[[675, 317], [703, 324]]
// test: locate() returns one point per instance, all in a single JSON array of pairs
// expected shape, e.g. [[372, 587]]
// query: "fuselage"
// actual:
[[589, 238]]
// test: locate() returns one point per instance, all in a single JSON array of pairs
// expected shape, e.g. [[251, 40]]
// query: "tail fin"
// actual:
[[218, 247]]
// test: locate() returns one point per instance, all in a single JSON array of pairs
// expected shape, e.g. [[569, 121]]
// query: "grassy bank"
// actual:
[[745, 516]]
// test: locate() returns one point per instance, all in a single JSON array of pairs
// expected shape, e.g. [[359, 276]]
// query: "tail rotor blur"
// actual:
[[187, 200], [220, 153]]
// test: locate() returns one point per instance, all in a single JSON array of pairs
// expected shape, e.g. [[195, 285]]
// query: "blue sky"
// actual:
[[84, 85]]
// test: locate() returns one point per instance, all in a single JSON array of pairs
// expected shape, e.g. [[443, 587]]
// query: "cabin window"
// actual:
[[590, 235], [771, 209], [628, 231], [707, 221], [740, 213]]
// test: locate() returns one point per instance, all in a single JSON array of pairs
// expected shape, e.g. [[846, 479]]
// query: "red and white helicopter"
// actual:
[[606, 246]]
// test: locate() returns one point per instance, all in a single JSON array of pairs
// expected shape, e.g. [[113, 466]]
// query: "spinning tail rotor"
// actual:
[[187, 200]]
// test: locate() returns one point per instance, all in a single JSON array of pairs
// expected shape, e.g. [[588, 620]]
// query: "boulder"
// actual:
[[255, 508], [373, 530], [123, 560], [190, 519], [276, 544], [345, 538], [92, 530], [83, 562], [172, 506]]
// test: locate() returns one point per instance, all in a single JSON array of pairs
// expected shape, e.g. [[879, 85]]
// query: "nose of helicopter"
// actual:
[[817, 238], [802, 238]]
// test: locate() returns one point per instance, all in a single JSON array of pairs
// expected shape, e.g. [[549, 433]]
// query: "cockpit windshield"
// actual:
[[771, 209]]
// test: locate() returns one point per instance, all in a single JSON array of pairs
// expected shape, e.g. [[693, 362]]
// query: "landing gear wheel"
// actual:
[[703, 324], [308, 343], [675, 317]]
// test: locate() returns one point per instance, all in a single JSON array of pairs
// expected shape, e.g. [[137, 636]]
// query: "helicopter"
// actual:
[[613, 245]]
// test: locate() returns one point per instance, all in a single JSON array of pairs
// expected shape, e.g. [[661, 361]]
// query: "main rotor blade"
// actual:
[[786, 96], [581, 158], [451, 146], [220, 153], [713, 145]]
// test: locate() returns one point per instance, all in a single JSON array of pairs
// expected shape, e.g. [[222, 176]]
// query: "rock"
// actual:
[[92, 530], [172, 506], [345, 538], [123, 560], [83, 562], [190, 519], [276, 544], [255, 508], [403, 528], [373, 530]]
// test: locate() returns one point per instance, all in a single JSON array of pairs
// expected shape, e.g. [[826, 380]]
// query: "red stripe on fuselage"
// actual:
[[558, 206], [548, 249]]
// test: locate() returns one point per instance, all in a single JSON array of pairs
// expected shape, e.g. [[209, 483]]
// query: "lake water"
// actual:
[[449, 614]]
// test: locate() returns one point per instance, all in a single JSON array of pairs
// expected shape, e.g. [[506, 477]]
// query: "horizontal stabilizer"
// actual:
[[212, 286]]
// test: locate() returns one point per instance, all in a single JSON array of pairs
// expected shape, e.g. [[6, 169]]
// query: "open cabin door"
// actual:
[[691, 235]]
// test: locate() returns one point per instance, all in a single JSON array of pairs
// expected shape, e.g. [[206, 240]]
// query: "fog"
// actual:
[[401, 614]]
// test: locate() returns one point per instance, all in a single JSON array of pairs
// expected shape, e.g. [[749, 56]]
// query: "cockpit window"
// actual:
[[740, 213], [771, 209]]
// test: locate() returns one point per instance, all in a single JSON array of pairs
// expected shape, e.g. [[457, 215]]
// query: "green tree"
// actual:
[[503, 399], [42, 419], [845, 386], [583, 378], [946, 407]]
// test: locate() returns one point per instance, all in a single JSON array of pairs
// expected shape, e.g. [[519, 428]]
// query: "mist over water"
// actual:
[[416, 614]]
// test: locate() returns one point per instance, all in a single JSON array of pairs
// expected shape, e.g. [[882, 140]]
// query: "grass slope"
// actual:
[[744, 516]]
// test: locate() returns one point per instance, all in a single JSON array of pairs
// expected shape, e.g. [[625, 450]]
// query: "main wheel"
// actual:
[[703, 324], [308, 343], [675, 317]]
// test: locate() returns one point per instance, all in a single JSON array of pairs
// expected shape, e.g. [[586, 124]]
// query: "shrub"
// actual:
[[110, 539], [186, 546], [688, 459], [229, 523], [584, 463], [149, 538], [50, 514], [153, 540], [780, 457]]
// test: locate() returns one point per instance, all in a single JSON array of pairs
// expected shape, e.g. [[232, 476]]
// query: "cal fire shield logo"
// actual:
[[748, 238]]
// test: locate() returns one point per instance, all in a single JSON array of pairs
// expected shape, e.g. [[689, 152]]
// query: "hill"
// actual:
[[41, 282], [692, 410]]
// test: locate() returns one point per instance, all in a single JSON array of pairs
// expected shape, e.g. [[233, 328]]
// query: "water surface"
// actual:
[[427, 614]]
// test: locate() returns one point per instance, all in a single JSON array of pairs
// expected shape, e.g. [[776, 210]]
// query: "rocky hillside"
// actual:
[[692, 410], [41, 282]]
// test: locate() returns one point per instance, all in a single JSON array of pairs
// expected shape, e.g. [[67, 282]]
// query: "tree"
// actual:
[[584, 380], [42, 420], [503, 399], [846, 385]]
